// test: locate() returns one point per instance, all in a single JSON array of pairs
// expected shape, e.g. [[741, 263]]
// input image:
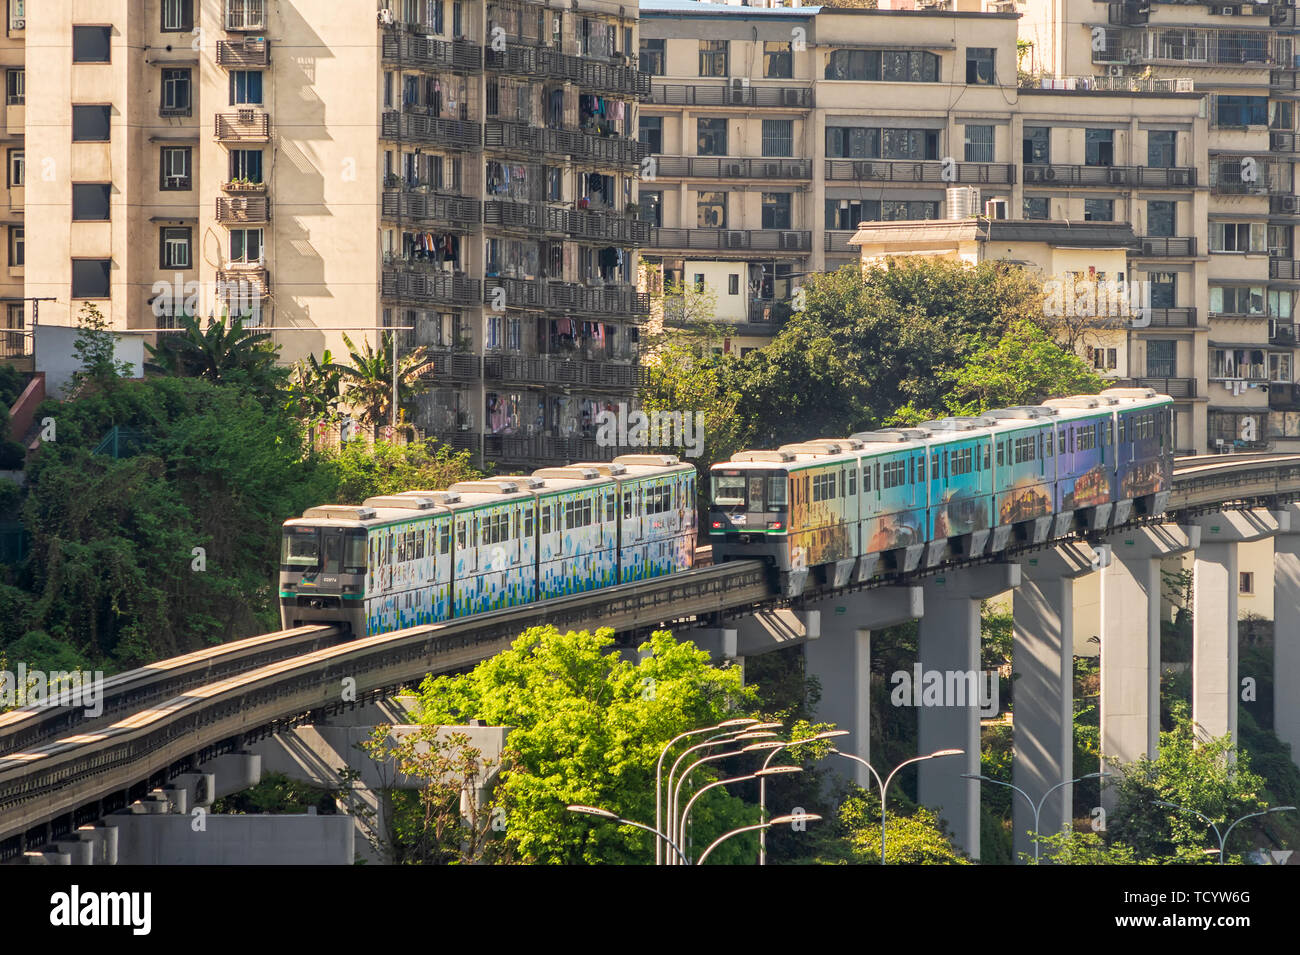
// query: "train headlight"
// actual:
[[717, 525], [774, 525]]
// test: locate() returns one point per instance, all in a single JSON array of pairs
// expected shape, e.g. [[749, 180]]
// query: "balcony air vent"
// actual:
[[247, 116]]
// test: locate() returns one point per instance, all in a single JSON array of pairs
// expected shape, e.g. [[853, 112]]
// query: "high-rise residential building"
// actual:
[[463, 170]]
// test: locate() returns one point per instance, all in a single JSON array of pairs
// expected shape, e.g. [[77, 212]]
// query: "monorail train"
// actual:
[[898, 499], [426, 556]]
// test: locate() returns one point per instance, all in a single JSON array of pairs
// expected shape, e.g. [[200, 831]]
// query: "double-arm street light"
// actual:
[[776, 747], [1038, 806], [884, 787], [1222, 837], [674, 791], [659, 769]]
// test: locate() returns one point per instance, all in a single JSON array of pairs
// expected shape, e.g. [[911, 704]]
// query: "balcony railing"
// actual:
[[585, 147], [602, 226], [1282, 333], [524, 216], [418, 51], [902, 172], [245, 15], [437, 130], [596, 300], [1173, 387], [721, 167], [1283, 81], [837, 240], [249, 281], [462, 366], [233, 210], [1283, 396], [1108, 84], [762, 240], [15, 343], [500, 290], [1075, 175], [769, 313], [431, 208], [247, 52], [1239, 50], [521, 450], [681, 94], [1283, 142], [409, 284], [546, 370], [246, 125], [1168, 247], [1172, 317], [1286, 269]]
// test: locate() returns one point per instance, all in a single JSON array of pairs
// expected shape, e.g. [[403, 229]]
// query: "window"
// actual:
[[1162, 289], [776, 210], [699, 281], [713, 58], [711, 137], [177, 163], [14, 316], [91, 44], [1238, 237], [893, 66], [778, 137], [90, 278], [177, 16], [1099, 147], [1162, 358], [90, 124], [175, 242], [1037, 145], [1241, 110], [245, 245], [1281, 115], [733, 283], [979, 65], [17, 169], [175, 93], [1245, 582], [652, 56], [1098, 210], [15, 87], [1160, 217], [650, 131], [650, 206], [245, 87], [778, 60], [246, 164], [1237, 299], [1244, 363], [90, 201], [1279, 367], [1279, 303], [1036, 207], [17, 247], [1105, 359], [979, 143], [1160, 148]]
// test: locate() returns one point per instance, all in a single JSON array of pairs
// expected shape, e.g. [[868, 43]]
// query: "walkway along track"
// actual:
[[177, 719]]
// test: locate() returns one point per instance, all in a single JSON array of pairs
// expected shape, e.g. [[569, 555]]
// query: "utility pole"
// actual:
[[36, 312]]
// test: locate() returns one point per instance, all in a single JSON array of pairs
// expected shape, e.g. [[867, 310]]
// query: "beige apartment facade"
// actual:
[[463, 170]]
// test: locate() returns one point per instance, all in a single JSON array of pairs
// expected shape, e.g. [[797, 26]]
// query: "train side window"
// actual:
[[609, 506], [419, 543], [911, 470], [1049, 449], [853, 481], [445, 545], [546, 519], [1002, 455], [529, 523], [461, 542], [401, 548], [627, 505]]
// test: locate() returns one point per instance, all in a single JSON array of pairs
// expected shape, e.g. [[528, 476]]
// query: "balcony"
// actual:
[[837, 240], [1107, 84], [245, 15], [1173, 387], [617, 79], [1152, 177], [245, 53], [538, 450], [406, 50], [530, 141], [781, 97], [1223, 49], [1172, 318], [602, 226], [1283, 142], [500, 290], [436, 130], [15, 343], [1283, 396], [1167, 247], [552, 370], [244, 126], [769, 315], [458, 440], [1282, 333], [902, 172], [758, 240], [508, 215], [1284, 81], [617, 300], [447, 365], [430, 209], [409, 284], [1285, 269], [240, 210], [721, 167], [242, 186], [251, 281]]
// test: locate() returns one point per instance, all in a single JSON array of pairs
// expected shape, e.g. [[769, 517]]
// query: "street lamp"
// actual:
[[775, 748], [1223, 838], [606, 814], [884, 787], [675, 791], [682, 828], [659, 769], [779, 820], [1036, 807]]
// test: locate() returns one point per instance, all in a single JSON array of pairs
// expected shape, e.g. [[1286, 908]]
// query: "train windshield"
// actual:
[[300, 549], [354, 552], [728, 490], [755, 491]]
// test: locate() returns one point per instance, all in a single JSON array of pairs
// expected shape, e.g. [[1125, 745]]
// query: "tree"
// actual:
[[368, 382], [588, 727], [313, 392], [225, 352], [360, 470], [917, 839], [1083, 848], [96, 347]]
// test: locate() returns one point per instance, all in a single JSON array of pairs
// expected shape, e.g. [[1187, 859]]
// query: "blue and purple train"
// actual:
[[897, 499]]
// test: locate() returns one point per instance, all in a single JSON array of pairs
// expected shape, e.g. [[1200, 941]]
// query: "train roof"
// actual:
[[637, 465], [571, 477], [351, 515]]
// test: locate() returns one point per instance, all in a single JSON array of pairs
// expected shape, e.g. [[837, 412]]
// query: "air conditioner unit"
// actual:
[[1178, 177], [1288, 203], [879, 170], [862, 170], [735, 169], [1049, 173], [1034, 173], [386, 17], [772, 170], [1117, 177], [790, 240], [1223, 11], [1115, 69], [735, 240], [793, 98], [739, 89]]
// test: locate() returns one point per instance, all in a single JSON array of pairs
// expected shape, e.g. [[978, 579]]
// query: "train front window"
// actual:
[[333, 551], [755, 494], [728, 490], [354, 552], [300, 549], [776, 491]]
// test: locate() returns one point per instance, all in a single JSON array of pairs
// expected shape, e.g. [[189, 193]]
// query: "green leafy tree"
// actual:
[[588, 727], [95, 348], [225, 352], [313, 390], [361, 470], [916, 839], [1084, 848], [367, 382]]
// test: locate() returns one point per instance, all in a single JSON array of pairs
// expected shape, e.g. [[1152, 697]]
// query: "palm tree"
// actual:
[[225, 353], [368, 381], [313, 391]]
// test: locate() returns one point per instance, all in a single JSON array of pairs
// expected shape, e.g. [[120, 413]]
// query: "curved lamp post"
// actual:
[[761, 774], [659, 768], [884, 787], [675, 790], [1036, 807], [779, 820], [1223, 838], [776, 747], [613, 817]]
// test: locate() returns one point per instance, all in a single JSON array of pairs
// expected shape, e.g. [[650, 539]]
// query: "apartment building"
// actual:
[[461, 170], [13, 332]]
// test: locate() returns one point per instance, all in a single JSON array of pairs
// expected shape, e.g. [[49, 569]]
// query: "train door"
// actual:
[[936, 523]]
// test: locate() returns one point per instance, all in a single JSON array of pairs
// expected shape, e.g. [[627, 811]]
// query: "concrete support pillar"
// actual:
[[950, 645], [1214, 613], [1286, 632], [1130, 642], [1042, 661], [840, 658]]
